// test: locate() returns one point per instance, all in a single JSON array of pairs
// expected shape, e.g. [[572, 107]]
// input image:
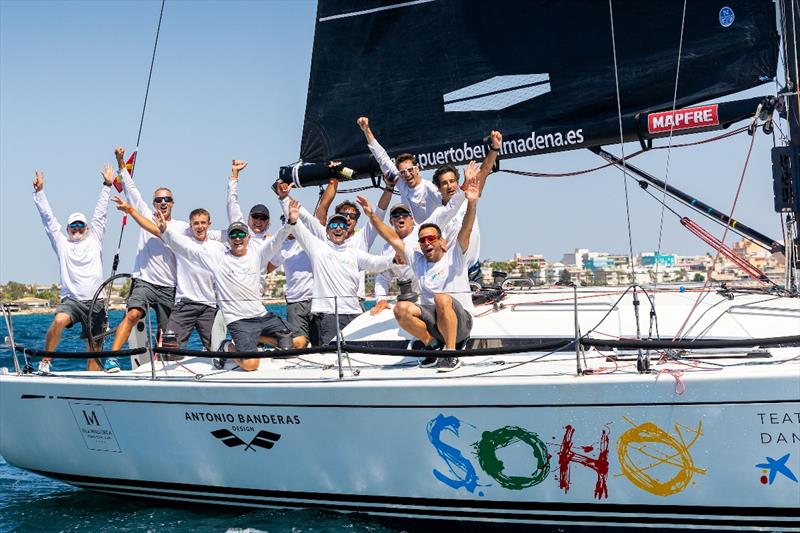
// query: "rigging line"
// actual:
[[724, 235], [630, 156], [621, 140], [796, 70], [669, 146], [149, 76]]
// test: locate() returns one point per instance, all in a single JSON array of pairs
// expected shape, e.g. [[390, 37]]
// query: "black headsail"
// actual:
[[435, 76]]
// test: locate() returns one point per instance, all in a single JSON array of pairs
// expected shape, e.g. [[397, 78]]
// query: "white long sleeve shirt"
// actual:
[[422, 199], [361, 240], [80, 263], [337, 271], [155, 263], [237, 279], [194, 282], [297, 266], [384, 280]]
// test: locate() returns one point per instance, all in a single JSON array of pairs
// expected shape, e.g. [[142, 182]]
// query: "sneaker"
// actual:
[[111, 365], [44, 366], [219, 362], [430, 361], [448, 364]]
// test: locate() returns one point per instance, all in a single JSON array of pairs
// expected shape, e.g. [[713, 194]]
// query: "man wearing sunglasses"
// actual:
[[417, 193], [154, 271], [258, 220], [349, 211], [237, 277], [444, 313], [402, 221], [80, 261], [337, 268]]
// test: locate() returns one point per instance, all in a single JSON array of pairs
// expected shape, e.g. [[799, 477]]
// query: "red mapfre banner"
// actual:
[[683, 119]]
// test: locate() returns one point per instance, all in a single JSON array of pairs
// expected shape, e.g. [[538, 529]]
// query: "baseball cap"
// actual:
[[76, 217], [238, 226], [336, 216], [259, 209], [400, 207]]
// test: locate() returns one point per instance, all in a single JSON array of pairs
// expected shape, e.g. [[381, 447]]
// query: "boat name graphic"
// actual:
[[242, 418]]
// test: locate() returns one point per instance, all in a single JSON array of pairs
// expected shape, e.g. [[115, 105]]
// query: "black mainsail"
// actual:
[[436, 75]]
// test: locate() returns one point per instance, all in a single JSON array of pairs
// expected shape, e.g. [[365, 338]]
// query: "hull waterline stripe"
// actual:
[[454, 513], [430, 406], [488, 507]]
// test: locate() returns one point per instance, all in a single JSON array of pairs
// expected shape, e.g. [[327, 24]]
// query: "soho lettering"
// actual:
[[459, 471]]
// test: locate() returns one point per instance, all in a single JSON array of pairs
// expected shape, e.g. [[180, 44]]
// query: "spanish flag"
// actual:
[[129, 167]]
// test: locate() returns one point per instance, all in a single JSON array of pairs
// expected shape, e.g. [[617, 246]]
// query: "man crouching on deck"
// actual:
[[445, 310], [237, 278]]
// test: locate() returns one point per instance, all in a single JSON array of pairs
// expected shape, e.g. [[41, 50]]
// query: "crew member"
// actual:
[[237, 277], [154, 270], [195, 301], [445, 309], [336, 268], [80, 262]]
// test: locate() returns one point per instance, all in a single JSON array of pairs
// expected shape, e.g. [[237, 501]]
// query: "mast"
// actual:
[[786, 159]]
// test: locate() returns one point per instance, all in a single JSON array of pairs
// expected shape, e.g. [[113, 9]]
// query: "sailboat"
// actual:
[[633, 407]]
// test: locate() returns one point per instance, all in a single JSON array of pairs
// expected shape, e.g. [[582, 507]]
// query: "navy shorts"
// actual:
[[187, 315], [463, 328], [245, 332]]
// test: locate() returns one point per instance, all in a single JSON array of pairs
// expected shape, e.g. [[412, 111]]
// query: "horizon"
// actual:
[[229, 82]]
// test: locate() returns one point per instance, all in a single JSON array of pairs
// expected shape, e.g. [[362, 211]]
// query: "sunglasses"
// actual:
[[238, 234], [408, 171], [77, 225], [427, 239], [335, 225], [350, 216], [400, 214], [259, 217], [162, 199]]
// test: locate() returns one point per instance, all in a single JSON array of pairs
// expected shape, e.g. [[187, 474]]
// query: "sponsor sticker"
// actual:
[[683, 119], [94, 427], [726, 16]]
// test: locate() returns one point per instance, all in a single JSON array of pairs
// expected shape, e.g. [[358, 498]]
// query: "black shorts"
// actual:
[[159, 298], [187, 315], [299, 315], [78, 312], [245, 332], [323, 327], [464, 319]]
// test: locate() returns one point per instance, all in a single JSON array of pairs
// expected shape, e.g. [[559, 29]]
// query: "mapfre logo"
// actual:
[[683, 119]]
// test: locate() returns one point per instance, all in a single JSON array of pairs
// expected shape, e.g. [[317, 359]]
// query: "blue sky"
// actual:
[[230, 81]]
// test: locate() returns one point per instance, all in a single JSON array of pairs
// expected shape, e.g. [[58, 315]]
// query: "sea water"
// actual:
[[29, 502]]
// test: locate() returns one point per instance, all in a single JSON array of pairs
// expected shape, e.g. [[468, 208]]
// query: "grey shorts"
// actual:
[[187, 315], [159, 298], [299, 315], [464, 319], [323, 327], [245, 332], [78, 312]]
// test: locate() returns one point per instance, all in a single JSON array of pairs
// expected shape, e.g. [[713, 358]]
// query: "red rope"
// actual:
[[725, 250], [724, 235]]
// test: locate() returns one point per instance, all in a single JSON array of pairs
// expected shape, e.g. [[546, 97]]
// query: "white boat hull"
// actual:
[[618, 450]]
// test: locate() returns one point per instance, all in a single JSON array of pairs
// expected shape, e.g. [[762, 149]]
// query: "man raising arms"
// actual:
[[154, 269], [445, 309], [80, 261]]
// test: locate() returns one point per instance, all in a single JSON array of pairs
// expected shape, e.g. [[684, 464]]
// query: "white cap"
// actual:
[[76, 217]]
